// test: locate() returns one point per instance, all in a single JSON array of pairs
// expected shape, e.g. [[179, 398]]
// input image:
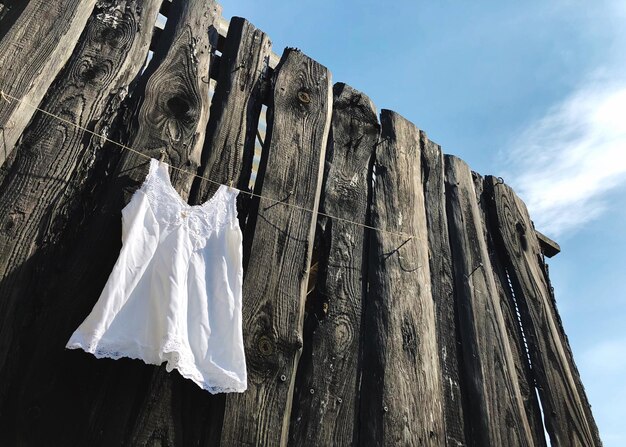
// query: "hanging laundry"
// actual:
[[174, 294]]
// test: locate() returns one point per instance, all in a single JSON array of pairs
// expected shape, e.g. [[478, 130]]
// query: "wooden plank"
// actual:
[[513, 326], [45, 189], [10, 10], [230, 136], [55, 160], [169, 110], [496, 414], [175, 107], [172, 116], [442, 284], [401, 379], [166, 6], [331, 365], [567, 413], [39, 43], [548, 247], [222, 27], [274, 289], [156, 37]]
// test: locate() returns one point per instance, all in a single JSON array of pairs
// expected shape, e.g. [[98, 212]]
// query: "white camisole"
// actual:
[[174, 294]]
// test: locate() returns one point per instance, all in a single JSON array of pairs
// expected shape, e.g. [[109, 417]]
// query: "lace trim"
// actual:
[[172, 352], [201, 220]]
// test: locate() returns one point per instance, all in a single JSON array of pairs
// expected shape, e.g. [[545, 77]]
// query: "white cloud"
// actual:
[[567, 163], [564, 165]]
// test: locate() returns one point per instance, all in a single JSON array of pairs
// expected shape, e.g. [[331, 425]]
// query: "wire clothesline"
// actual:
[[7, 97]]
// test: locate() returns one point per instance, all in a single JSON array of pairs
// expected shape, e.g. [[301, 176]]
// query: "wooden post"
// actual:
[[567, 413], [275, 282], [173, 107], [401, 385], [412, 333], [442, 283], [32, 53], [46, 189], [235, 109], [171, 115], [495, 407], [331, 365], [10, 10], [513, 326]]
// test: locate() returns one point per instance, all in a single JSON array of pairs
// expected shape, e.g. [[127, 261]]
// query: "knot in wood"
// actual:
[[10, 223], [91, 72], [521, 232], [266, 347], [304, 97], [112, 36], [297, 343], [178, 107]]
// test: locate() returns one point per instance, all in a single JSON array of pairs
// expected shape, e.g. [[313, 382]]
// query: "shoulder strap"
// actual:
[[157, 167], [231, 194]]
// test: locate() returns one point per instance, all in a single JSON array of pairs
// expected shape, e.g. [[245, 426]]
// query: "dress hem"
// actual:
[[172, 363]]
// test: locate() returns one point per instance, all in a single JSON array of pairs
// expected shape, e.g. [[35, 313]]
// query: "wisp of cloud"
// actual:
[[565, 165]]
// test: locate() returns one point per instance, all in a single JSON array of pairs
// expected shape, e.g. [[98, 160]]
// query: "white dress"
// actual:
[[174, 294]]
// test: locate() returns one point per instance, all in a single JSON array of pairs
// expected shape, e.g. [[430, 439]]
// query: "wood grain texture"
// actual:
[[567, 413], [241, 86], [52, 171], [10, 11], [512, 323], [39, 43], [170, 114], [326, 400], [402, 341], [173, 112], [274, 289], [110, 400], [548, 247], [401, 379], [495, 405], [442, 284]]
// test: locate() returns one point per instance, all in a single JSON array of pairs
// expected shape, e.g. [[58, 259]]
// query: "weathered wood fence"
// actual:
[[438, 329]]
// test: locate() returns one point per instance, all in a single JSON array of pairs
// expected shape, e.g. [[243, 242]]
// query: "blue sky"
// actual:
[[532, 91]]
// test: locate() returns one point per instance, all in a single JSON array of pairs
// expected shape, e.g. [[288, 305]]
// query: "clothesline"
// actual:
[[7, 97]]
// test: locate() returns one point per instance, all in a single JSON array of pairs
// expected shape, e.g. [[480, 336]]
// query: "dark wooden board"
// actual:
[[352, 336], [496, 414], [548, 247], [230, 136], [174, 106], [326, 400], [274, 289], [170, 115], [51, 174], [567, 413], [512, 323], [10, 10], [32, 53], [109, 400], [401, 379], [442, 283]]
